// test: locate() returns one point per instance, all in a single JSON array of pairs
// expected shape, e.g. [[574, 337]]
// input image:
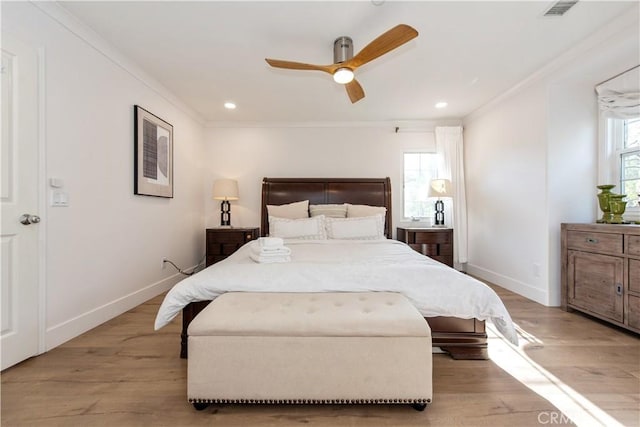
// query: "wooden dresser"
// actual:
[[222, 242], [601, 272], [436, 243]]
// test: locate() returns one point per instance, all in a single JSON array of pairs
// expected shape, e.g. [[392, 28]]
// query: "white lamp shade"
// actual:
[[225, 189], [440, 188]]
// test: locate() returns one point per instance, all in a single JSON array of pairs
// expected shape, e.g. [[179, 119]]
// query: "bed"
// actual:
[[463, 335]]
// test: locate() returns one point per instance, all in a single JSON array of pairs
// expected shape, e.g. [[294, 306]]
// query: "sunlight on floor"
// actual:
[[516, 363]]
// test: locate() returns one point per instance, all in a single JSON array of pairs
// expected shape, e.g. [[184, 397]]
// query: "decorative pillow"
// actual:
[[294, 210], [363, 228], [305, 228], [355, 211], [329, 211]]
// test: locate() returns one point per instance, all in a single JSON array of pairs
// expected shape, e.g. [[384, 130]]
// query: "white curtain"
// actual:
[[449, 147], [619, 97]]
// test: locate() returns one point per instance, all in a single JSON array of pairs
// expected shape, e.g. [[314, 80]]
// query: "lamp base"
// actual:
[[439, 219], [225, 214]]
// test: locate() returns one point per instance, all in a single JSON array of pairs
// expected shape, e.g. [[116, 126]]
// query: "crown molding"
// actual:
[[83, 32], [406, 125], [627, 22]]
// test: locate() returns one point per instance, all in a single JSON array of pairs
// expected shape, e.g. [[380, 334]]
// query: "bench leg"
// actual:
[[200, 405], [419, 406]]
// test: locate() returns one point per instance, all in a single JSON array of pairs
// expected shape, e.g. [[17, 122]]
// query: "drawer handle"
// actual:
[[619, 288], [249, 236], [591, 240]]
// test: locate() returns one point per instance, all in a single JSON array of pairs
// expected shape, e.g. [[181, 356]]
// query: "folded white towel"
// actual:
[[268, 259], [276, 251], [270, 242], [280, 250]]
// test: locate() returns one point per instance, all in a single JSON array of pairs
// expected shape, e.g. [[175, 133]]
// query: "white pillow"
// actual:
[[304, 228], [354, 211], [293, 210], [329, 210], [363, 228]]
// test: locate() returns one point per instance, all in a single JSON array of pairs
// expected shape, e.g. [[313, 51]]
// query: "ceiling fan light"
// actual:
[[343, 75]]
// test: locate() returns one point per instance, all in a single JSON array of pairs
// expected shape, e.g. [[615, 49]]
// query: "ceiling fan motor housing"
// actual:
[[342, 49]]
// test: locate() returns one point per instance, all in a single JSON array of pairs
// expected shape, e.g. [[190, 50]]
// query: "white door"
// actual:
[[19, 196]]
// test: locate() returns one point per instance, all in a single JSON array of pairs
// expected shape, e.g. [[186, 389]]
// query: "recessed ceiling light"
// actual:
[[229, 105], [441, 104]]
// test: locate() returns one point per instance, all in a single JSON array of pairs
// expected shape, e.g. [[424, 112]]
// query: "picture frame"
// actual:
[[153, 155]]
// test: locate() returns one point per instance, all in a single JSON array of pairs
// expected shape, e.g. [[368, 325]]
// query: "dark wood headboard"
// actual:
[[357, 191]]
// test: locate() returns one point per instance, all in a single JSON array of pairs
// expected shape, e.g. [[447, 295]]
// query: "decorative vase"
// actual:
[[617, 206], [603, 201]]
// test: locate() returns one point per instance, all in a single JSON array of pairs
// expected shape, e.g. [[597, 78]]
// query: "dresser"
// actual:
[[222, 242], [436, 243], [601, 272]]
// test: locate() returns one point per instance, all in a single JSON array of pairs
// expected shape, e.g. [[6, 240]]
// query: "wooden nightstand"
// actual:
[[222, 242], [436, 243]]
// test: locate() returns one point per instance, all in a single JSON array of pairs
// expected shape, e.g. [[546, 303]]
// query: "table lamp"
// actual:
[[225, 190], [440, 188]]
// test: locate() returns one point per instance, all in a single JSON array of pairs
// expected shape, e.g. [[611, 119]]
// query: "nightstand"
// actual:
[[436, 243], [222, 242]]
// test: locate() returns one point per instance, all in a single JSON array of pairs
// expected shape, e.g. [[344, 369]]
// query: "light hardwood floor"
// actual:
[[122, 373]]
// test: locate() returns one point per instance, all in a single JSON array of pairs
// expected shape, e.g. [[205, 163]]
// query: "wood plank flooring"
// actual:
[[569, 369]]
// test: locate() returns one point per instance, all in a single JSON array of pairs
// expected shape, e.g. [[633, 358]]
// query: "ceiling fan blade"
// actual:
[[395, 37], [277, 63], [354, 90]]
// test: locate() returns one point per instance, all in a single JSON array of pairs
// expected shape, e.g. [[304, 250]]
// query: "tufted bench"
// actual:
[[369, 347]]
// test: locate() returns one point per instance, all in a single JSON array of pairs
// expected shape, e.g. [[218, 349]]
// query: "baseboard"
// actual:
[[509, 283], [78, 325]]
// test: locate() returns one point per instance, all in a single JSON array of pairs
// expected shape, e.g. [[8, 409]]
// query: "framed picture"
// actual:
[[153, 155]]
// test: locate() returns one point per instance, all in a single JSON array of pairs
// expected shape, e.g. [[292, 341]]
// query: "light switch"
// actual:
[[59, 198], [56, 182]]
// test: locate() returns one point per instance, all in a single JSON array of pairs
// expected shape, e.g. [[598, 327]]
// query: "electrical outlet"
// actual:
[[163, 263], [536, 270]]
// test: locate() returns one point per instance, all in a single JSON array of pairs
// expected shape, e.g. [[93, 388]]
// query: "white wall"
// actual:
[[251, 153], [505, 167], [104, 251], [537, 147]]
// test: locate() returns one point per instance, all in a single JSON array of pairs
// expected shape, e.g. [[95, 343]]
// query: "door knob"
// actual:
[[27, 219]]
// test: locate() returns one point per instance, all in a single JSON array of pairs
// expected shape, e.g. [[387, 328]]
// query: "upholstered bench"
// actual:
[[369, 347]]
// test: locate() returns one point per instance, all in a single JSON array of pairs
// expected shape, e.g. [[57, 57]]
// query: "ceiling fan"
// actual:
[[345, 63]]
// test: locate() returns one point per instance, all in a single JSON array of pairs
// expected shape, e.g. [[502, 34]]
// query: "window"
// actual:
[[629, 155], [419, 169], [624, 139]]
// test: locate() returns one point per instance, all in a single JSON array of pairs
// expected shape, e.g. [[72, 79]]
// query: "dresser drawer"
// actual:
[[633, 245], [230, 236], [433, 237], [595, 242]]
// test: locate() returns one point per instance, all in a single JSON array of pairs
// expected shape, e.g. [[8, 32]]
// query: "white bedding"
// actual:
[[347, 266]]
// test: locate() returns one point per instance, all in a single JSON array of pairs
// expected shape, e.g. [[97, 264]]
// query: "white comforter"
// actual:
[[353, 266]]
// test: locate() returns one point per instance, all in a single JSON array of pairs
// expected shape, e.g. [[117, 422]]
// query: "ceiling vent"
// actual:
[[559, 8]]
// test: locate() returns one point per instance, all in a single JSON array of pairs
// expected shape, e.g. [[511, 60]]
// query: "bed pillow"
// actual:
[[361, 228], [304, 228], [355, 211], [329, 210], [295, 210]]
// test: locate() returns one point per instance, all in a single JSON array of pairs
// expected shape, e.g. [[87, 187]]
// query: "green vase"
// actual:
[[603, 201], [617, 207]]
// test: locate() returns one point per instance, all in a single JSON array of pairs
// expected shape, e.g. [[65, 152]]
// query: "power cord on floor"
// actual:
[[187, 273]]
